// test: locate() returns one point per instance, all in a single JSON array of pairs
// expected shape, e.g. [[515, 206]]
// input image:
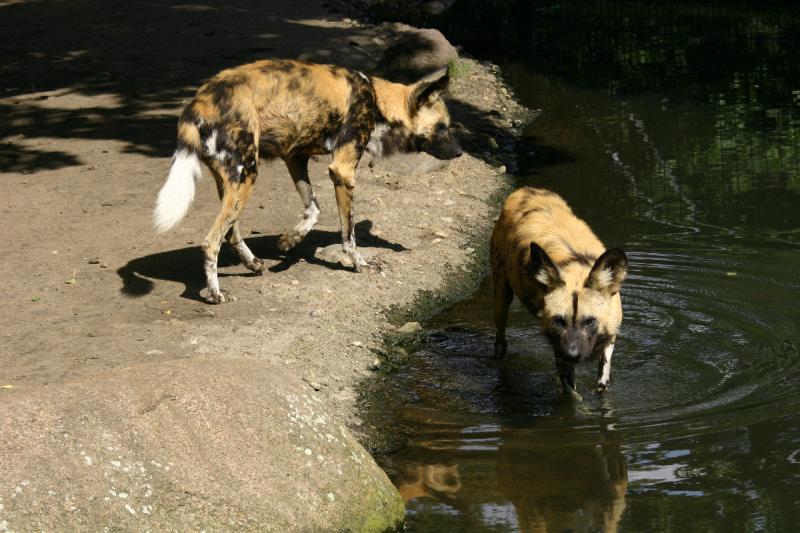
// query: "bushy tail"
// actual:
[[177, 194]]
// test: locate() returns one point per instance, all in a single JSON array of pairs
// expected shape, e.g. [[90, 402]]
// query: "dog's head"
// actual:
[[580, 311], [430, 121], [416, 119]]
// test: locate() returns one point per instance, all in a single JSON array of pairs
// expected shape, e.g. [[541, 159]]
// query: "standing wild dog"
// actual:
[[293, 110], [552, 262]]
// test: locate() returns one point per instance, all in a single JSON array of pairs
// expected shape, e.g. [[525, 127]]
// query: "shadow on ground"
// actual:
[[128, 66], [142, 59], [185, 265]]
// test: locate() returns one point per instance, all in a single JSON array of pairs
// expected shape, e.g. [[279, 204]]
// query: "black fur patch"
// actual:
[[440, 145], [540, 192], [336, 72], [221, 91], [240, 159], [530, 211], [294, 84], [574, 307], [395, 140], [362, 112], [584, 259], [280, 65], [312, 141]]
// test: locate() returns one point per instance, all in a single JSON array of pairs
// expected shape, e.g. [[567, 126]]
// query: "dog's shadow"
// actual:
[[185, 265]]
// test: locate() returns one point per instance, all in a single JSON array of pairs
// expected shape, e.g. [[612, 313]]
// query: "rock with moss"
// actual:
[[186, 445]]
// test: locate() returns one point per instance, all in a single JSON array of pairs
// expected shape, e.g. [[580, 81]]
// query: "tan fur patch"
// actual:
[[393, 101]]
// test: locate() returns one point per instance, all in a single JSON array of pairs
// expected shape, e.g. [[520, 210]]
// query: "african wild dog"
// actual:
[[550, 259], [293, 110]]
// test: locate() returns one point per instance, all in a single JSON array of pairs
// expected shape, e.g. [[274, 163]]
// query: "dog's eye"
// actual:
[[589, 322], [441, 129], [560, 321]]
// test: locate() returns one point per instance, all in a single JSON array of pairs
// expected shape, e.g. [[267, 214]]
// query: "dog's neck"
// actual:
[[393, 125]]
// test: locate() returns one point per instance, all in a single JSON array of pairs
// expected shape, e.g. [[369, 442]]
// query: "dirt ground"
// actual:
[[89, 97], [88, 129]]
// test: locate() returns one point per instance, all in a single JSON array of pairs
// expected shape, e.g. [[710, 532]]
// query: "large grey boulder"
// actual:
[[415, 54], [185, 446]]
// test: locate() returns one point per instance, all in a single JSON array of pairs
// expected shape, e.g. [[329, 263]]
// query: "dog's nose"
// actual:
[[572, 351]]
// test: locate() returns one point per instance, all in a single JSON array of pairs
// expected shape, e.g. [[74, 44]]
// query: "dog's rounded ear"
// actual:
[[430, 88], [541, 268], [608, 272]]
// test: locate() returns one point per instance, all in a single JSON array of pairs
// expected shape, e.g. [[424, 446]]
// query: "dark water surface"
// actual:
[[674, 131]]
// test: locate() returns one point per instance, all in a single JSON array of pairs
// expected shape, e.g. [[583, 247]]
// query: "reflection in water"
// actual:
[[546, 476], [673, 129], [581, 488], [429, 481]]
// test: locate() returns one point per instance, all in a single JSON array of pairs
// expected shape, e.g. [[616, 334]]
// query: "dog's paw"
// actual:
[[600, 388], [575, 395], [289, 240], [256, 265], [219, 297]]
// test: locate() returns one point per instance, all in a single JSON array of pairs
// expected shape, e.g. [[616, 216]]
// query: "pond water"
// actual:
[[674, 131]]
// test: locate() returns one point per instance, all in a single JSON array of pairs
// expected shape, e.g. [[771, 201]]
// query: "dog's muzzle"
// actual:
[[439, 146]]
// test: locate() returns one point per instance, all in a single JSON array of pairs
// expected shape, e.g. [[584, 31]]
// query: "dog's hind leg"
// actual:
[[298, 168], [343, 174], [234, 236], [235, 166], [234, 198]]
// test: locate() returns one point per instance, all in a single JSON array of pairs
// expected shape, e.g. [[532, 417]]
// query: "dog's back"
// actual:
[[291, 107], [543, 217], [270, 108]]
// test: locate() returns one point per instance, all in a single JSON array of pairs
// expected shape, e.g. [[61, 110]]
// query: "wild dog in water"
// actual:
[[293, 110], [550, 259]]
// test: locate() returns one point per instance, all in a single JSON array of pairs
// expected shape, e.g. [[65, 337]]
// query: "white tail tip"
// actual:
[[177, 194]]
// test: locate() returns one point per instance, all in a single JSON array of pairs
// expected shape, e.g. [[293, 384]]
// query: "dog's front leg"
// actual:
[[566, 373], [604, 367], [502, 299], [343, 174]]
